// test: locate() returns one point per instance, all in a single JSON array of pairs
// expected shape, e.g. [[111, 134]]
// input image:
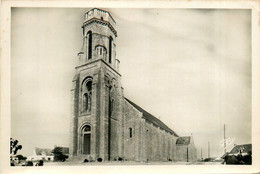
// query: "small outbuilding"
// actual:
[[185, 149], [239, 155], [41, 154]]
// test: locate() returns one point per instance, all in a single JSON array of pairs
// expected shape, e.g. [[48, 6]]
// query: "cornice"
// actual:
[[98, 21], [97, 60], [102, 11]]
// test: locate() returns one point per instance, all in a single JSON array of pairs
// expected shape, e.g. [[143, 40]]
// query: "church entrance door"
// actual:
[[86, 146], [86, 139]]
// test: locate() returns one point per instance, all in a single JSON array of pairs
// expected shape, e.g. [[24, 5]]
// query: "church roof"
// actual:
[[149, 117], [183, 140], [245, 148]]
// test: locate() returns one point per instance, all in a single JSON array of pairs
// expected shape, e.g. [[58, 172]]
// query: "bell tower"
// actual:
[[96, 129], [99, 38]]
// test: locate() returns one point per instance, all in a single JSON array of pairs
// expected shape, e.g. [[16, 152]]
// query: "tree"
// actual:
[[58, 154], [21, 157], [14, 147]]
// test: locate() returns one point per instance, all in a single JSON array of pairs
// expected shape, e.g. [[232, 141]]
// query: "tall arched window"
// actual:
[[89, 44], [87, 95], [110, 49]]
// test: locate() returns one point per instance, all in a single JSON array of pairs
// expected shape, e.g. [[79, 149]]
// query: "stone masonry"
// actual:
[[104, 124]]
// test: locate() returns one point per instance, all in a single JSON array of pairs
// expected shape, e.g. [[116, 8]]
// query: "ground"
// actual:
[[126, 163]]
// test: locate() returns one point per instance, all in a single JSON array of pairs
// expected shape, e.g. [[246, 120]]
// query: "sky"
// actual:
[[189, 67]]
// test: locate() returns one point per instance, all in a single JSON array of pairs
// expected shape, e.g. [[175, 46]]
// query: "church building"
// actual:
[[105, 125]]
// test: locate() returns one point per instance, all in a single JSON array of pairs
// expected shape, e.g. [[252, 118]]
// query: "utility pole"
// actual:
[[224, 139], [201, 153], [187, 154], [208, 150]]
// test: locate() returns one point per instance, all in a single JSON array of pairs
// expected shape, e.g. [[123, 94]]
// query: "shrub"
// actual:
[[29, 163], [39, 163], [99, 160], [21, 157], [58, 155]]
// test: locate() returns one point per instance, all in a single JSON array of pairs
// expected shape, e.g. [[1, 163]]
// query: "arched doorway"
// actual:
[[86, 132]]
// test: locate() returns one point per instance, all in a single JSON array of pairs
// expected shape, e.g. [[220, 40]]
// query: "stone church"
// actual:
[[105, 125]]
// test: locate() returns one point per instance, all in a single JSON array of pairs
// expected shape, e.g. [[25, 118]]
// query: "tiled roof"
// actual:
[[149, 117], [41, 151], [245, 148], [183, 141]]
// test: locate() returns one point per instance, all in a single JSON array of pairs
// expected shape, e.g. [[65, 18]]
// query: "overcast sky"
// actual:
[[190, 68]]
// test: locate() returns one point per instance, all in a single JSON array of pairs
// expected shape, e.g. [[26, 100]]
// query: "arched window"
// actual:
[[101, 51], [87, 95], [130, 132], [101, 18], [89, 85], [110, 49], [87, 129], [89, 45]]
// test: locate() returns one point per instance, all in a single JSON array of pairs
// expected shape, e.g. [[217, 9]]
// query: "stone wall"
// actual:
[[80, 118], [186, 153], [132, 119], [74, 116], [114, 94], [148, 143], [158, 144]]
